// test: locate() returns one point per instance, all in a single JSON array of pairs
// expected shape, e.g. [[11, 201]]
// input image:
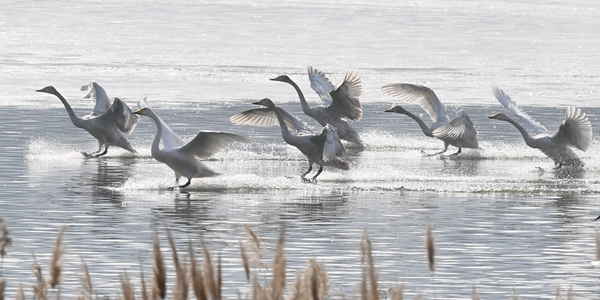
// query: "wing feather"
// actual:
[[101, 100], [208, 143], [266, 117], [575, 130], [345, 97], [512, 106], [333, 146], [420, 95], [121, 115], [459, 132], [321, 85]]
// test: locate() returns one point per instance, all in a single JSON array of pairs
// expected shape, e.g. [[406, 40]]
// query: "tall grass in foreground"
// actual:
[[205, 279]]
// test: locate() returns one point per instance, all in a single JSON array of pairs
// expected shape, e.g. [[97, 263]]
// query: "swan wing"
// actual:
[[346, 98], [333, 147], [121, 116], [208, 143], [320, 84], [97, 93], [575, 130], [266, 117], [420, 95], [460, 129], [169, 137], [512, 106]]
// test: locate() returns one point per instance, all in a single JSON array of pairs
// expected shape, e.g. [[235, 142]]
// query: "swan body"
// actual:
[[323, 148], [183, 160], [108, 127], [574, 132], [340, 105], [460, 132]]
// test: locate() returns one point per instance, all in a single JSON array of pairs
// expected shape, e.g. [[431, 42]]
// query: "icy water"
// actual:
[[502, 218]]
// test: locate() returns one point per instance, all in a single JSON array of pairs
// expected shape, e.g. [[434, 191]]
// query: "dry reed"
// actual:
[[197, 277], [21, 293], [86, 283], [56, 263], [159, 287], [5, 242], [126, 288], [2, 286], [143, 283], [312, 283], [40, 289], [278, 281], [369, 291], [429, 245], [181, 288], [245, 262]]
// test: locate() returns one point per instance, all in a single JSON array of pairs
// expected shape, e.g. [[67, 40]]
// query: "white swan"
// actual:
[[322, 148], [183, 160], [575, 131], [459, 132], [340, 104], [109, 127]]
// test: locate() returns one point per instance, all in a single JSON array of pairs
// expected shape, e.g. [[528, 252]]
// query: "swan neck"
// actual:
[[285, 132], [155, 150], [422, 124], [528, 139], [76, 121], [305, 107]]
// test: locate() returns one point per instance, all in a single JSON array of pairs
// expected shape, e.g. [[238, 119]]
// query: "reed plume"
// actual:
[[143, 282], [278, 281], [197, 277], [255, 244], [181, 288], [397, 293], [368, 291], [5, 242], [474, 294], [40, 290], [2, 286], [128, 292], [311, 284], [214, 284], [159, 288], [55, 262], [429, 245], [21, 293], [86, 282], [245, 262]]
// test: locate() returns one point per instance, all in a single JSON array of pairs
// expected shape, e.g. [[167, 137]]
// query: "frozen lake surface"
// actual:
[[503, 219]]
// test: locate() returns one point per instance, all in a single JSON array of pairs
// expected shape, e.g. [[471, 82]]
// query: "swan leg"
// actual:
[[318, 172], [172, 187], [309, 169], [186, 184], [103, 153], [434, 154], [93, 154], [457, 152]]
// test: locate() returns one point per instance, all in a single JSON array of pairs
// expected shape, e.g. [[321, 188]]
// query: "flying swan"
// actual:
[[575, 131], [459, 132], [323, 149], [108, 123], [340, 104], [183, 158]]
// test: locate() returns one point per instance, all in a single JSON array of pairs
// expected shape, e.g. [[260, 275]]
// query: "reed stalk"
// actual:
[[55, 262], [5, 243], [2, 286], [181, 287], [429, 245], [86, 282], [127, 288], [40, 289], [597, 239], [159, 287], [197, 277], [278, 281]]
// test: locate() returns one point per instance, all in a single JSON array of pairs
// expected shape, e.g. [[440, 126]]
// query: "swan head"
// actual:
[[282, 78], [265, 102], [499, 116], [48, 89], [396, 109], [142, 111]]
